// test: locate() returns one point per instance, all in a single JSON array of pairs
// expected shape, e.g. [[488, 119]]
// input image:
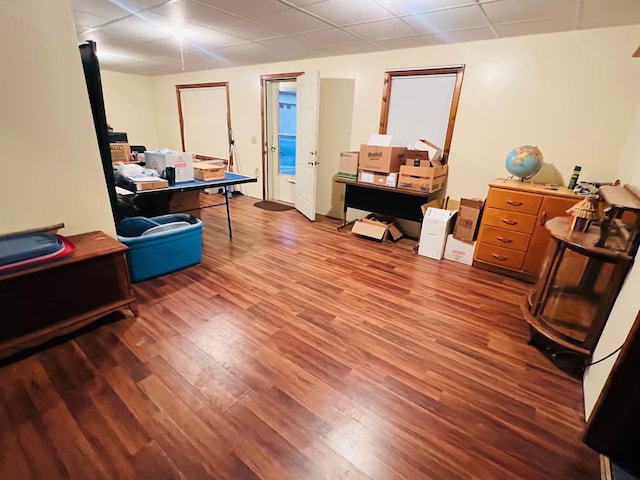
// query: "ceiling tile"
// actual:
[[459, 36], [209, 17], [545, 25], [405, 42], [446, 20], [352, 49], [412, 7], [251, 9], [342, 12], [391, 28], [289, 45], [518, 10], [292, 21], [610, 19], [329, 38], [103, 8], [595, 7]]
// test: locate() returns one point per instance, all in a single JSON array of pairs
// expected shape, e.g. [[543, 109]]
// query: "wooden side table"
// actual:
[[57, 298]]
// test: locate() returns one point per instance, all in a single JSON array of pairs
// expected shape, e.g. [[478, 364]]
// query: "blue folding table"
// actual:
[[229, 180]]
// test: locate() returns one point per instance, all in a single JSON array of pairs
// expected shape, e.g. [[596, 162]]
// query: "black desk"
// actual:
[[391, 201], [158, 199]]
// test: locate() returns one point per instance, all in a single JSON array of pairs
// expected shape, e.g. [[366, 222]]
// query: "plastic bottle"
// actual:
[[574, 177]]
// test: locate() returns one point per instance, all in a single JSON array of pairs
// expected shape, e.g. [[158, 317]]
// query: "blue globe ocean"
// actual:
[[524, 161]]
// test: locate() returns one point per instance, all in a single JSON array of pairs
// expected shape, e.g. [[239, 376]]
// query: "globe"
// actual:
[[524, 161]]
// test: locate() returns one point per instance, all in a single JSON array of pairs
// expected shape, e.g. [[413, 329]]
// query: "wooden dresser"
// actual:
[[512, 238]]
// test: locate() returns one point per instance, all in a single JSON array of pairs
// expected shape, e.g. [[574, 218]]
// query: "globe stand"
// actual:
[[515, 178]]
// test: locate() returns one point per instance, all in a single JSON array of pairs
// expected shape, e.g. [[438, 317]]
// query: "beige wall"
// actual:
[[129, 106], [572, 94], [628, 304], [51, 166]]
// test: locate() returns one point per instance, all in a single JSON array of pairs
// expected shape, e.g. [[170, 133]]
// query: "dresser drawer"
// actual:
[[503, 257], [514, 221], [504, 238], [514, 201]]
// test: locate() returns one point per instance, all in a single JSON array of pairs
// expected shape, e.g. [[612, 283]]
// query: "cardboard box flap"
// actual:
[[369, 229], [435, 152]]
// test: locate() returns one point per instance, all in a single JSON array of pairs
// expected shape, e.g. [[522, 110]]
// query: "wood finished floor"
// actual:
[[299, 352]]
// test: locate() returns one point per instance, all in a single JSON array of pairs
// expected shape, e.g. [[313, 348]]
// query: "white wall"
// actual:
[[128, 103], [628, 303], [51, 165], [572, 94]]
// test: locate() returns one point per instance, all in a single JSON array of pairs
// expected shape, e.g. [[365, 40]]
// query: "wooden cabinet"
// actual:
[[512, 238], [57, 298]]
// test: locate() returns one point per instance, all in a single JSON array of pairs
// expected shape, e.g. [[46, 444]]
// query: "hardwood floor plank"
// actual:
[[295, 350]]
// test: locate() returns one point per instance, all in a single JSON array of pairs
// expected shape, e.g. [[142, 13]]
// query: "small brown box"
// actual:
[[469, 214], [186, 202], [150, 185], [208, 171], [120, 152]]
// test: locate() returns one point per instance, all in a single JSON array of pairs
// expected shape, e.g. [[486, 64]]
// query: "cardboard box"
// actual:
[[384, 179], [436, 225], [469, 214], [435, 152], [181, 161], [423, 179], [381, 159], [208, 171], [459, 251], [149, 185], [377, 228], [120, 152], [348, 165], [185, 202]]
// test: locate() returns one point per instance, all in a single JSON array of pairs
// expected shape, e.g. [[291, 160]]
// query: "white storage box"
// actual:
[[459, 251], [181, 161], [436, 225]]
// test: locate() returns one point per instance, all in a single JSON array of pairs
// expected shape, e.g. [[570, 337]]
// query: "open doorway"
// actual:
[[280, 105]]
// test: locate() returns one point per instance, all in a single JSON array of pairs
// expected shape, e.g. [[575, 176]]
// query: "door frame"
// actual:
[[188, 86], [263, 113]]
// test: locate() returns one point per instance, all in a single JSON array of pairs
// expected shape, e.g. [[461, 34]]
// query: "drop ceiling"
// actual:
[[155, 37]]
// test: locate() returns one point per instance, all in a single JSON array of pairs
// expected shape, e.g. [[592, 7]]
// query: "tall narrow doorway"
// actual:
[[279, 137]]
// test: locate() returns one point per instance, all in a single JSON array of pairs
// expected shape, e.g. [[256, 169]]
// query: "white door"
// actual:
[[308, 93], [281, 140]]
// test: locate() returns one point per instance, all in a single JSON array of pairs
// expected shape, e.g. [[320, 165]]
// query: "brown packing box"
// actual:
[[423, 179], [185, 202], [348, 166], [381, 159], [208, 171], [377, 228], [120, 152], [468, 221], [152, 185]]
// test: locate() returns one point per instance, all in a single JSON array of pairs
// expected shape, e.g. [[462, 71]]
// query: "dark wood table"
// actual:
[[391, 201]]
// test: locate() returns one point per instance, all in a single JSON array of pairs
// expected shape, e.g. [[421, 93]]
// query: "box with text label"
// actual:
[[120, 152], [381, 159], [181, 161], [348, 166], [459, 251], [469, 214]]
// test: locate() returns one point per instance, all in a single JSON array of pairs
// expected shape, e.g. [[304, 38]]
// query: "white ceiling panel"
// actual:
[[383, 29], [222, 33], [545, 25], [446, 20], [344, 12], [458, 36], [331, 37], [292, 21], [405, 42], [413, 7], [518, 10]]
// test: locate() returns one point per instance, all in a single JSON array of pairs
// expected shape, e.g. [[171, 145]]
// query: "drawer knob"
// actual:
[[504, 240], [514, 203], [509, 222], [502, 258]]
